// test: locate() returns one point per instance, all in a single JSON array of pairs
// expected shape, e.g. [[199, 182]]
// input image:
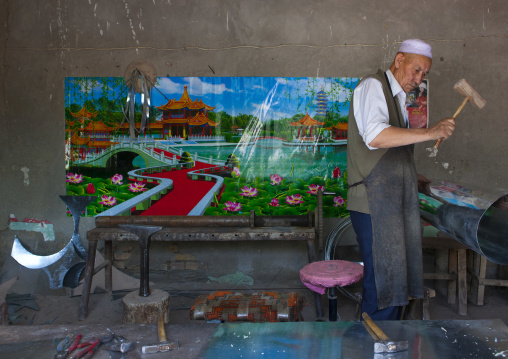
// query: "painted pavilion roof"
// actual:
[[185, 102], [307, 121], [84, 113], [79, 141], [98, 126], [341, 126], [200, 120]]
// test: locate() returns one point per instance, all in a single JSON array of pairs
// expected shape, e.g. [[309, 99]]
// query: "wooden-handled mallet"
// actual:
[[470, 94]]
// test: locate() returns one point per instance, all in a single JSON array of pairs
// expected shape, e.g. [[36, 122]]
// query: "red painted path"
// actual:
[[185, 195]]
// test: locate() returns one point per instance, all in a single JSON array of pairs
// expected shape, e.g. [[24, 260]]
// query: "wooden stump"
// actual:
[[146, 310]]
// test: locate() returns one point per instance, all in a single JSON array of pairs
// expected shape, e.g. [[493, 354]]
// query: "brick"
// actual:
[[192, 265], [173, 248], [120, 264], [120, 256], [184, 257], [172, 265]]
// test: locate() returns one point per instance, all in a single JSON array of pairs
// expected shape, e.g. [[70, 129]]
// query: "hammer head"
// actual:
[[160, 347], [466, 90], [390, 346]]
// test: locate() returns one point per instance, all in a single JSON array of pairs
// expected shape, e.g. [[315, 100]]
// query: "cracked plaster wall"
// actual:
[[42, 42]]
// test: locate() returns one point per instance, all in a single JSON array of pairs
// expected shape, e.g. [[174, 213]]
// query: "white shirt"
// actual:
[[370, 109]]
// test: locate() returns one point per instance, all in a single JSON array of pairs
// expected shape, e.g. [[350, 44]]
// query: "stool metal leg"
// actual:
[[332, 304]]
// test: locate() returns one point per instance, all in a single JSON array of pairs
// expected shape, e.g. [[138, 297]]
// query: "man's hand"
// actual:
[[442, 129]]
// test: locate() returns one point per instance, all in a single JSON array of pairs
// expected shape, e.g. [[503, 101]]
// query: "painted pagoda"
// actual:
[[79, 133], [185, 117], [322, 103]]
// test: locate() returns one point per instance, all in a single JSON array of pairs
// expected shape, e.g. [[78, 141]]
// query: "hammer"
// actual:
[[470, 94], [382, 343], [163, 345]]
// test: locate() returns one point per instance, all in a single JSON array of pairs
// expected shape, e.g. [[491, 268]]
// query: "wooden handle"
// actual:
[[161, 330], [374, 327], [454, 116]]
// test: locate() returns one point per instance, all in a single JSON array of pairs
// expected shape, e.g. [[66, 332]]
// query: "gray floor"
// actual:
[[57, 314]]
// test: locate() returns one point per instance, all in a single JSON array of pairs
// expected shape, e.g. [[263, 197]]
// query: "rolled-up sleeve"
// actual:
[[370, 110]]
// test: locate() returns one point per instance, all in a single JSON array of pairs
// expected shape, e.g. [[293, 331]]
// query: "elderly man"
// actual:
[[382, 181]]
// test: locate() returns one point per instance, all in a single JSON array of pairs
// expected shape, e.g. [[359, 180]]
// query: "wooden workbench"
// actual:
[[286, 232]]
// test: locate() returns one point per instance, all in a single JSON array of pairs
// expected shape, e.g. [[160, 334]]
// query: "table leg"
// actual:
[[108, 280], [85, 295]]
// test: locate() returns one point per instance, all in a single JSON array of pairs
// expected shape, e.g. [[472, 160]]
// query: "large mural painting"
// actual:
[[208, 145]]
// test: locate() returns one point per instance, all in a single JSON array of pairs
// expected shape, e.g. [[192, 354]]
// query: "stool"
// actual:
[[318, 276]]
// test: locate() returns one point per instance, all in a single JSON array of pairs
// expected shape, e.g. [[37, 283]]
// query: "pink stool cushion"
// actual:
[[318, 276]]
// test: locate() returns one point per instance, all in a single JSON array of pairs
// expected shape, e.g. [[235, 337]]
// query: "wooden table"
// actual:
[[185, 234]]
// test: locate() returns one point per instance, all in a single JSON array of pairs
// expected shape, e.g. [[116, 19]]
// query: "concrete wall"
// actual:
[[42, 42]]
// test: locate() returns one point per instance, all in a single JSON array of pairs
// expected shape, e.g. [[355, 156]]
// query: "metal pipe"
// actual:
[[174, 221], [203, 221], [477, 218]]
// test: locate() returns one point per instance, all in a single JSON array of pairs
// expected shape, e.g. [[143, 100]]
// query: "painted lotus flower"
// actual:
[[108, 200], [274, 202], [117, 179], [236, 172], [232, 206], [313, 189], [74, 178], [336, 172], [90, 189], [294, 199], [338, 201], [249, 192], [137, 187], [275, 179]]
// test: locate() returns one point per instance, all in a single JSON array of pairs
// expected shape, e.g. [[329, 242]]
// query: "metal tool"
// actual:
[[470, 94], [144, 234], [77, 204], [163, 345], [119, 343], [383, 344], [56, 266], [64, 267]]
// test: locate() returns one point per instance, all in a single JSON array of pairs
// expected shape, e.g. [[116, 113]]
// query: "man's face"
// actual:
[[410, 70]]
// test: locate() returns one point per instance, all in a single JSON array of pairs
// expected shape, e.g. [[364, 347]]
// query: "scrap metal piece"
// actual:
[[77, 204], [64, 267], [474, 216], [55, 265]]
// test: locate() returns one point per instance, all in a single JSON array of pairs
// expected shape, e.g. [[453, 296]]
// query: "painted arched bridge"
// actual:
[[153, 154]]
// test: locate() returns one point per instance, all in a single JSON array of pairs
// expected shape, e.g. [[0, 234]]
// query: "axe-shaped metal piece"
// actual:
[[383, 344], [144, 234]]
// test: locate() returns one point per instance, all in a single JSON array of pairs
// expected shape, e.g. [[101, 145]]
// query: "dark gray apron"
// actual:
[[396, 235]]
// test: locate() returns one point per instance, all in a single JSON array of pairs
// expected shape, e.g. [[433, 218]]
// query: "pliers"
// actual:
[[90, 346]]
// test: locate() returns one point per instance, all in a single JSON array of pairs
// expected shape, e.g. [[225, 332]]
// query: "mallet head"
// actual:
[[466, 90]]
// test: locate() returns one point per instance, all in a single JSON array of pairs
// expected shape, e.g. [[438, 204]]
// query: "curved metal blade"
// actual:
[[63, 267], [32, 261]]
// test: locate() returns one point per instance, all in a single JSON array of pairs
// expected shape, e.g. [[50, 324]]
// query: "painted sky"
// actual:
[[264, 97]]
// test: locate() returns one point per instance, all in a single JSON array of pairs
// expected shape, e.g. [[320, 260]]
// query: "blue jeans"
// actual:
[[363, 229]]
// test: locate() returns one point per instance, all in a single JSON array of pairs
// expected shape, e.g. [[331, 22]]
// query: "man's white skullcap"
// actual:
[[415, 46]]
